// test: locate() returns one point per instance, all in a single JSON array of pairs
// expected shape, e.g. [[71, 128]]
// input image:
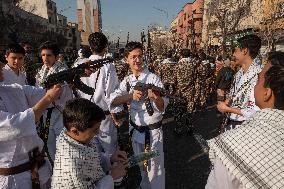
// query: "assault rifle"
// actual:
[[73, 75], [144, 89]]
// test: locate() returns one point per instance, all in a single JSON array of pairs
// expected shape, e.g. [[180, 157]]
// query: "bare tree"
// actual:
[[271, 28], [225, 16], [18, 23]]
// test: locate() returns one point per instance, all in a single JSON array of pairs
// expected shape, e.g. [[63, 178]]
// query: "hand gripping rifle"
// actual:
[[144, 89], [73, 75]]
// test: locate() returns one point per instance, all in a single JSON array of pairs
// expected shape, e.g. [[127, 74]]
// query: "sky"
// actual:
[[122, 16]]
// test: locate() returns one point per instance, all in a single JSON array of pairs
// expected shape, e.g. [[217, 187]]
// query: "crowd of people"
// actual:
[[61, 137]]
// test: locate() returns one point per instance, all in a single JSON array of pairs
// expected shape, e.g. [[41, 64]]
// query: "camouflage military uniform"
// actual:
[[166, 72], [121, 69], [200, 86], [184, 104], [154, 66], [186, 79]]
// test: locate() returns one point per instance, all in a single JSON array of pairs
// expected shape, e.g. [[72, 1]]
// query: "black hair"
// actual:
[[185, 53], [49, 45], [86, 51], [131, 46], [15, 48], [274, 78], [98, 42], [252, 43], [81, 114]]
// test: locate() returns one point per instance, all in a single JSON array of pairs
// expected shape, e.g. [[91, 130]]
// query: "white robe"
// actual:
[[104, 84], [18, 134], [154, 178], [56, 120], [10, 77]]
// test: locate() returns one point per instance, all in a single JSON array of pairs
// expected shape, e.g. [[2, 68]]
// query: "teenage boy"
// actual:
[[78, 162], [145, 129], [240, 104], [51, 124], [12, 71]]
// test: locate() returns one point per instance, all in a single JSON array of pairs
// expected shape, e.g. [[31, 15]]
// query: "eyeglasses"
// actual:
[[135, 58]]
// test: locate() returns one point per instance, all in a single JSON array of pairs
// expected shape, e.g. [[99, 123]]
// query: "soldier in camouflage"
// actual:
[[185, 77]]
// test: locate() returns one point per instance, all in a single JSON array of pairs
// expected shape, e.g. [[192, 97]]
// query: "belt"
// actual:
[[142, 129], [145, 129], [17, 169], [36, 161]]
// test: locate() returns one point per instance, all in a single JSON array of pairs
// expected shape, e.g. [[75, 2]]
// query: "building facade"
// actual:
[[89, 18], [187, 30]]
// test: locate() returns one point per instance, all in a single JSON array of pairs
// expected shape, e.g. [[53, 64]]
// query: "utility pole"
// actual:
[[127, 39], [193, 45]]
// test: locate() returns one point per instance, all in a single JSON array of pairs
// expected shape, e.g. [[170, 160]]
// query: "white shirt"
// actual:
[[18, 133], [105, 81], [56, 120], [10, 77], [138, 112], [242, 92]]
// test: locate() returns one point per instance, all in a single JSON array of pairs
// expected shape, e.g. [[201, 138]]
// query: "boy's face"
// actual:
[[262, 93], [239, 55], [48, 57], [135, 60], [15, 60], [85, 136]]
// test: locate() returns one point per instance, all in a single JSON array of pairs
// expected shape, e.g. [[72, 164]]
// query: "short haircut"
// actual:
[[49, 45], [86, 51], [81, 114], [185, 53], [252, 43], [274, 78], [131, 46], [98, 42], [15, 48]]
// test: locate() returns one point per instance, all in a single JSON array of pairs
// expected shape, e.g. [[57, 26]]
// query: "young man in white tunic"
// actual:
[[20, 108], [154, 176], [251, 156], [12, 71], [78, 162], [240, 104], [49, 54], [105, 81]]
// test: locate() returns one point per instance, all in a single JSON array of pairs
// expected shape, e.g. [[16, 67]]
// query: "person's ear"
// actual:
[[267, 95], [74, 131], [245, 51]]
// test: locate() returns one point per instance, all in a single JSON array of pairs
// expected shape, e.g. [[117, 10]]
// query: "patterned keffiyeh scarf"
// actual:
[[77, 165], [254, 152], [45, 71]]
